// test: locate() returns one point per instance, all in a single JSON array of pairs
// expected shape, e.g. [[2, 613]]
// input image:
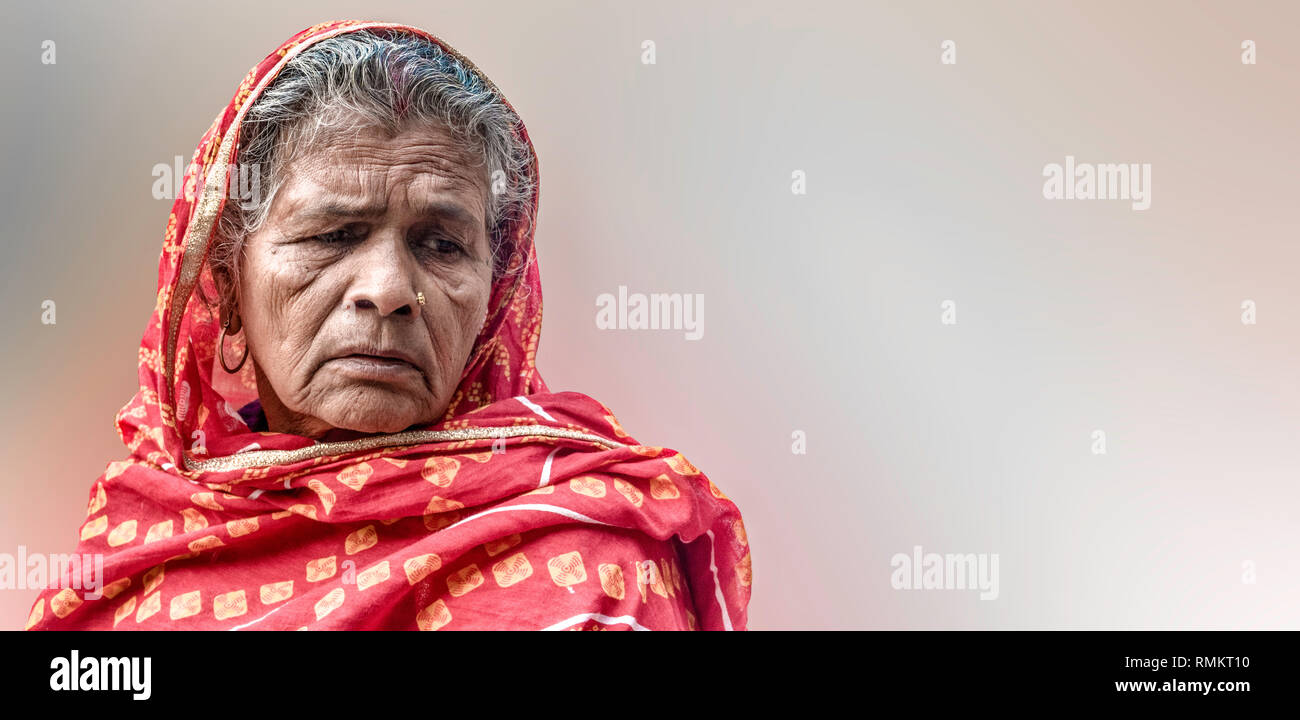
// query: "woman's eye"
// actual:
[[443, 246], [335, 237]]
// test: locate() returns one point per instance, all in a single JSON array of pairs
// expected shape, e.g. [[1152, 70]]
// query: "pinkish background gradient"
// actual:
[[822, 311]]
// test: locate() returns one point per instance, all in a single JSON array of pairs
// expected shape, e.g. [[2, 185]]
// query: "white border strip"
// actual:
[[537, 409], [531, 506], [546, 469], [604, 619]]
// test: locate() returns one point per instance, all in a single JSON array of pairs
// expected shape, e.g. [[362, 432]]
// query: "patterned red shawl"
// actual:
[[521, 509]]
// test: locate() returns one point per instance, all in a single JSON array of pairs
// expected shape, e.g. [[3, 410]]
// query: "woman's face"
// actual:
[[327, 292]]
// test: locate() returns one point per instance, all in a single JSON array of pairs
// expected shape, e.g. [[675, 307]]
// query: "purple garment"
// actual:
[[254, 417]]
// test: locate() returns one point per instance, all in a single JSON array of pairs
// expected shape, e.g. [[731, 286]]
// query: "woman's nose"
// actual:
[[384, 279]]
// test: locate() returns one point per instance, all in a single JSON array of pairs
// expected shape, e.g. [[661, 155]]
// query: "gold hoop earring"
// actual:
[[221, 350]]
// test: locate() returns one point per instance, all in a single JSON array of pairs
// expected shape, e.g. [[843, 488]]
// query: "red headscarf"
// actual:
[[522, 508]]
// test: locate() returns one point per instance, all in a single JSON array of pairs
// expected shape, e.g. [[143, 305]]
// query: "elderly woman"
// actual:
[[339, 423]]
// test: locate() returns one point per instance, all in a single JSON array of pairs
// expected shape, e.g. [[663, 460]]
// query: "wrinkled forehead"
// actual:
[[368, 169]]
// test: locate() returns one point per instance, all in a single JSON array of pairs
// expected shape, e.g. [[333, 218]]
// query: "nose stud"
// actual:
[[419, 297]]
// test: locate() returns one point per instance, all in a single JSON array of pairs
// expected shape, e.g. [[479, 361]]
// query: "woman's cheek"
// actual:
[[289, 316], [471, 312]]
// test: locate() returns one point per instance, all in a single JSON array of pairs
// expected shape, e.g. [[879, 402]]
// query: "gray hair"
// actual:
[[382, 78]]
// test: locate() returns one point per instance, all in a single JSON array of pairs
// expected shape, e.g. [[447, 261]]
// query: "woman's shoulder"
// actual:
[[574, 409]]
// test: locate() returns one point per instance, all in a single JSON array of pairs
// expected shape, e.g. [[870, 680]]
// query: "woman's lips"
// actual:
[[374, 366]]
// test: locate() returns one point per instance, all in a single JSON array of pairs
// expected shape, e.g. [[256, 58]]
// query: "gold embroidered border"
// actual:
[[259, 458]]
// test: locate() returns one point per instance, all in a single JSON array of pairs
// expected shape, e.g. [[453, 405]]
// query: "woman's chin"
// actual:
[[379, 421]]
